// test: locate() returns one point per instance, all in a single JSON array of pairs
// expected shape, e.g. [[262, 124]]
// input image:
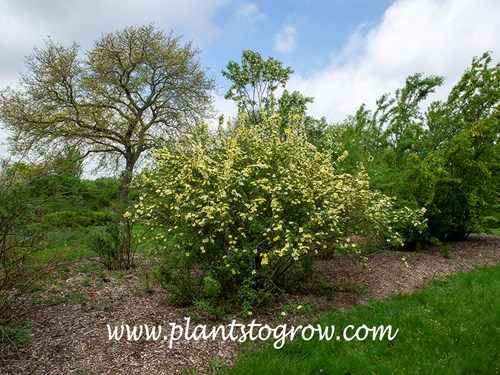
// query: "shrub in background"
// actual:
[[84, 218], [445, 159], [114, 243], [19, 238]]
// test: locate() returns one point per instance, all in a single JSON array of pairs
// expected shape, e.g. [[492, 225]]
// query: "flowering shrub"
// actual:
[[242, 206]]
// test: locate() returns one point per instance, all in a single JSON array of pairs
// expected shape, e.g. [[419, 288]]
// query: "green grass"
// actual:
[[65, 244], [74, 244], [451, 327]]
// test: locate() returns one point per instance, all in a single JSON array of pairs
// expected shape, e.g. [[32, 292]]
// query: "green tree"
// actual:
[[254, 83], [399, 130], [68, 162], [445, 159], [389, 137], [130, 92], [464, 144]]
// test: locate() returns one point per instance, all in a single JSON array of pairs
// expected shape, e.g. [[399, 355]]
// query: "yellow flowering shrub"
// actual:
[[247, 203]]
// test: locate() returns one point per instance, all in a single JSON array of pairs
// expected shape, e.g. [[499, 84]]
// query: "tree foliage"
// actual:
[[255, 89], [119, 100], [464, 140], [20, 239], [445, 159], [254, 83]]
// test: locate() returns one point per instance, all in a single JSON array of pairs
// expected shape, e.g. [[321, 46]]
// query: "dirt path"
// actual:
[[73, 337]]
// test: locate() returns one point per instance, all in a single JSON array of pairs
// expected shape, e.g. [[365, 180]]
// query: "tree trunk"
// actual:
[[126, 179]]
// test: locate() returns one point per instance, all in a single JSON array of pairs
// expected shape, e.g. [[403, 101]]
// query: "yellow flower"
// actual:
[[264, 260]]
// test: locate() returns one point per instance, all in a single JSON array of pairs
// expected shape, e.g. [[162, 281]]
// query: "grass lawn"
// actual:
[[450, 327]]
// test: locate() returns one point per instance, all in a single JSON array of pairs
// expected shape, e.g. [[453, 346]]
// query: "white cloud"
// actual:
[[437, 37], [26, 24], [285, 40], [246, 16], [225, 107]]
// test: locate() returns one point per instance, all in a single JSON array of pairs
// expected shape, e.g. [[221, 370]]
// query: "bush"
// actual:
[[19, 238], [84, 218], [114, 244], [247, 204], [105, 191], [445, 159]]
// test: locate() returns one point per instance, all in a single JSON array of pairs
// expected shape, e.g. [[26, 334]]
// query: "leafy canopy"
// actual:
[[255, 86], [255, 81], [445, 159], [119, 100]]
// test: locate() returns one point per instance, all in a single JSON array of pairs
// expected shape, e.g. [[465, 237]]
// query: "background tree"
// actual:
[[122, 98], [68, 163], [445, 159], [254, 83], [463, 142]]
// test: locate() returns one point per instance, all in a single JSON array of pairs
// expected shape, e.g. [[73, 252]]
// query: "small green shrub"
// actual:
[[490, 224], [15, 333], [114, 244], [84, 218]]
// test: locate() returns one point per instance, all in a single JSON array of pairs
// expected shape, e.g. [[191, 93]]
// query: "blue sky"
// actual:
[[344, 52], [304, 34]]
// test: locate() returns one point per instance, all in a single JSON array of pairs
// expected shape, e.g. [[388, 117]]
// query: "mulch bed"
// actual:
[[72, 337]]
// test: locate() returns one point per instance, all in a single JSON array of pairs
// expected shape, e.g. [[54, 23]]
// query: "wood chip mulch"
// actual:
[[72, 337]]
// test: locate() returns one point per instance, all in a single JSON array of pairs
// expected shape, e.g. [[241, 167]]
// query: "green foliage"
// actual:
[[65, 192], [84, 218], [20, 240], [254, 83], [445, 160], [123, 97], [69, 162], [105, 192], [468, 158], [15, 333], [245, 205], [71, 202], [490, 224], [114, 243]]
